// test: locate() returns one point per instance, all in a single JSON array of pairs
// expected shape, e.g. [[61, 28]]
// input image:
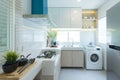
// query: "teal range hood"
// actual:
[[39, 7]]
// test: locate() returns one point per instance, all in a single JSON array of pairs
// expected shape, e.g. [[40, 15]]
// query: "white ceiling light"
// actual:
[[78, 0], [75, 12]]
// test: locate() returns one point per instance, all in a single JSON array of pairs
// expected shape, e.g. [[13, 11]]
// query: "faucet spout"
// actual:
[[72, 43]]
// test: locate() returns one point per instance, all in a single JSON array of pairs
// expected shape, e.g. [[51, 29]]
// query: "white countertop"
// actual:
[[52, 48], [71, 48], [57, 50], [51, 62], [34, 71], [64, 48], [30, 74]]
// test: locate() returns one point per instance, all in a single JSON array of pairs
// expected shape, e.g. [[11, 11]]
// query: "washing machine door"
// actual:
[[94, 57]]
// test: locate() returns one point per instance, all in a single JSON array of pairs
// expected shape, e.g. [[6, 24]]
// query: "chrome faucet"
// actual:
[[72, 43]]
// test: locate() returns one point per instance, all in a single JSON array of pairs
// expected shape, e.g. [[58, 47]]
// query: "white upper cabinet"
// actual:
[[54, 14], [76, 17], [26, 4], [66, 17]]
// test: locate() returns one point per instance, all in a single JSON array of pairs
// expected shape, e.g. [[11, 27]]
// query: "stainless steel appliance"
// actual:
[[113, 37]]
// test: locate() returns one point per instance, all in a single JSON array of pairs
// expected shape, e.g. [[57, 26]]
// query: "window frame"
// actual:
[[102, 22]]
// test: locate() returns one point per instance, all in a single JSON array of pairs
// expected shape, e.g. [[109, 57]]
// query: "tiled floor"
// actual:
[[112, 76], [82, 74]]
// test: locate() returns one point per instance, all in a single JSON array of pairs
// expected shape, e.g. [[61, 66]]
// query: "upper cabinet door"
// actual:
[[76, 17], [54, 14], [60, 16], [66, 17]]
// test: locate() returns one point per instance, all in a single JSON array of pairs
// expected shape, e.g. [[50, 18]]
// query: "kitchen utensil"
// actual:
[[31, 61], [23, 60]]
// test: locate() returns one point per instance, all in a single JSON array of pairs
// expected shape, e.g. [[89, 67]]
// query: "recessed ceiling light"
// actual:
[[78, 0], [75, 12]]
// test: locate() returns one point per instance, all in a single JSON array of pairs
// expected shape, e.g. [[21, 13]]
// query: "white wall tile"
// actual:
[[86, 37], [30, 39]]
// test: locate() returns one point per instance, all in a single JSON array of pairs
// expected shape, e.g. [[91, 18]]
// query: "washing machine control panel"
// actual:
[[97, 48]]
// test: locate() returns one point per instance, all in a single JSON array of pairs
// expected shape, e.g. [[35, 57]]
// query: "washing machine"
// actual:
[[93, 58]]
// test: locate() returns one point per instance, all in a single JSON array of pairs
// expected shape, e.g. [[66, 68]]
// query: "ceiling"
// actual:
[[84, 4]]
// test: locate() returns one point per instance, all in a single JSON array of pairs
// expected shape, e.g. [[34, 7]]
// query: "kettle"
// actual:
[[23, 60]]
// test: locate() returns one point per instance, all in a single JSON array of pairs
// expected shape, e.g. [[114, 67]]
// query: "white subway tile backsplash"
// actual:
[[30, 40]]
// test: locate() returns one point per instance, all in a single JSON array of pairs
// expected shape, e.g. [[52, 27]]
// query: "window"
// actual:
[[74, 36], [68, 37], [102, 30], [4, 25], [62, 36]]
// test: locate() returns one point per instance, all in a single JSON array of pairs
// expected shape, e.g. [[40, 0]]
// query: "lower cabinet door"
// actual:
[[66, 58], [77, 58]]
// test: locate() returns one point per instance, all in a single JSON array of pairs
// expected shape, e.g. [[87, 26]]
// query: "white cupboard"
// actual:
[[76, 17], [66, 17], [54, 14]]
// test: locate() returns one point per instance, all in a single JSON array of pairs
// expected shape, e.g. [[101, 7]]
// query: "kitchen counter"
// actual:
[[52, 48], [28, 74], [34, 71], [57, 50], [51, 66], [64, 48], [71, 48]]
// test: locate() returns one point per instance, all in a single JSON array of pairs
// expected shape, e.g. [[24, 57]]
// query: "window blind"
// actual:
[[4, 24]]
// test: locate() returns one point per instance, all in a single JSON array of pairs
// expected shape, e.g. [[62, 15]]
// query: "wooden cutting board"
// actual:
[[15, 75]]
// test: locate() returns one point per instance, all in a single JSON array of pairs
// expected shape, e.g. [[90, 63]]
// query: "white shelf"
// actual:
[[89, 19]]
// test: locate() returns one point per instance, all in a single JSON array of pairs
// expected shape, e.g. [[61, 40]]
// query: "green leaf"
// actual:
[[11, 56], [52, 34]]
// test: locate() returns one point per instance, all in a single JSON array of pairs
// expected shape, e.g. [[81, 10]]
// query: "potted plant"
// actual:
[[11, 61], [52, 35]]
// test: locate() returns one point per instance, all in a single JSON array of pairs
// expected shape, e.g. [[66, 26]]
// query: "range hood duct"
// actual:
[[39, 13], [39, 7]]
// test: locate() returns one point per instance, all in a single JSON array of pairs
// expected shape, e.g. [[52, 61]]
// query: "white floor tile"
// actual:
[[82, 74]]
